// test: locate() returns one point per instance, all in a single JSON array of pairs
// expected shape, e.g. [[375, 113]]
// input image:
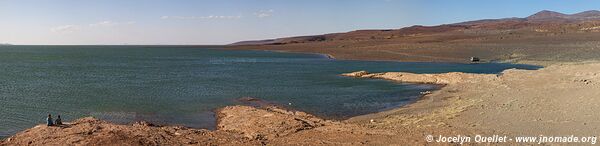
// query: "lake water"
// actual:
[[183, 85]]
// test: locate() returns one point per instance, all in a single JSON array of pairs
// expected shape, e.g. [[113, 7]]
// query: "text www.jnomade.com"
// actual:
[[461, 139]]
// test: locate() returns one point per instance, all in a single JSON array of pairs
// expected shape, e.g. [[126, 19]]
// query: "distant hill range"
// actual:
[[556, 16], [543, 21]]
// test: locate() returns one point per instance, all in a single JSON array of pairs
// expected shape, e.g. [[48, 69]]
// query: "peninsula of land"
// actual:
[[543, 38]]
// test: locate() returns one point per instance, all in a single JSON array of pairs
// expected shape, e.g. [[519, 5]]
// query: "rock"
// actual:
[[91, 131], [237, 125], [279, 123], [143, 123], [444, 78], [425, 93], [248, 99], [356, 74]]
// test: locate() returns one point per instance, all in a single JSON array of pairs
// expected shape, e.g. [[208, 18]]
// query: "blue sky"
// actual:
[[88, 22]]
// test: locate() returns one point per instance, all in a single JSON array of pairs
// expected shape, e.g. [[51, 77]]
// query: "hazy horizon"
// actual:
[[185, 22]]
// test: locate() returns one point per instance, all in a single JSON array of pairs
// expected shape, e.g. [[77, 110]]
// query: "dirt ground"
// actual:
[[527, 47]]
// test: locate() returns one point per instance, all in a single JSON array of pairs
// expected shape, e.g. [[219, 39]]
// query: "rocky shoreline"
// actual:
[[443, 79], [237, 125], [550, 101], [556, 100]]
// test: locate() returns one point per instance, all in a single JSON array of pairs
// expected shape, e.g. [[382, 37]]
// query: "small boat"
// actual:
[[474, 59]]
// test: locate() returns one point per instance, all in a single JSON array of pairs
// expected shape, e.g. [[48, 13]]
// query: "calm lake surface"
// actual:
[[183, 85]]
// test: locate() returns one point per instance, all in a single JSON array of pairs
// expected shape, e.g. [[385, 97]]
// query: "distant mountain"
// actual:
[[587, 15], [546, 15], [543, 21]]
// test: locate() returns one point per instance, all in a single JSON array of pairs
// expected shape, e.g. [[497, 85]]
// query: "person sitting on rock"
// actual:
[[49, 120], [58, 121]]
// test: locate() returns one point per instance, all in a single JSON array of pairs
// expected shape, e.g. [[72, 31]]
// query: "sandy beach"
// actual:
[[558, 100]]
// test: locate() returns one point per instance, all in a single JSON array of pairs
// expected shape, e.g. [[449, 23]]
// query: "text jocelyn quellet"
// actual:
[[467, 139]]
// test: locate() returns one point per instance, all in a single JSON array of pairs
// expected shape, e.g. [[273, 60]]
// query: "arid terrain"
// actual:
[[557, 100], [541, 38]]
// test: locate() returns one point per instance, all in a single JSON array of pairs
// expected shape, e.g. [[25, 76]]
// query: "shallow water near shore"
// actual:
[[183, 85]]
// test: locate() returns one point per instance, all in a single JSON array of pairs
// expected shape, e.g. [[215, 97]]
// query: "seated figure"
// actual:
[[49, 120], [58, 121]]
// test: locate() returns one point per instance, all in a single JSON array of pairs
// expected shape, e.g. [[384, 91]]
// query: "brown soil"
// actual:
[[543, 38], [527, 47], [237, 125]]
